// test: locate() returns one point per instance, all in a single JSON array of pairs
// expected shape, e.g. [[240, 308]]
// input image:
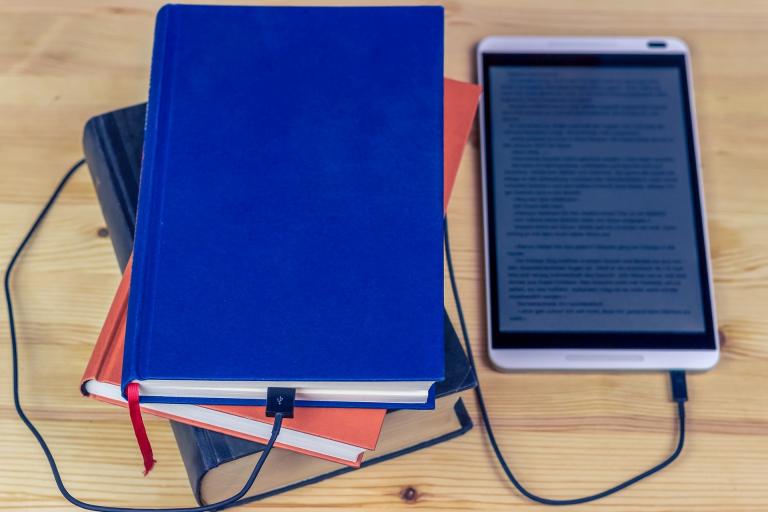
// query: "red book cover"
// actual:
[[460, 105]]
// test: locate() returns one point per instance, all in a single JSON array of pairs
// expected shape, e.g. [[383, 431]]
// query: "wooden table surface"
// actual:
[[565, 434]]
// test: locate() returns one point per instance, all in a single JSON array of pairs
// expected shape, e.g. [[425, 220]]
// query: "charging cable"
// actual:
[[280, 402], [679, 395]]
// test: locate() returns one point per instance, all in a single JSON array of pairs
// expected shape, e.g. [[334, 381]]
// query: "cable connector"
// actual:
[[280, 401], [679, 386]]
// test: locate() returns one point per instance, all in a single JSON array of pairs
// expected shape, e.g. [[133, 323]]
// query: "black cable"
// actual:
[[679, 395], [679, 392], [229, 502]]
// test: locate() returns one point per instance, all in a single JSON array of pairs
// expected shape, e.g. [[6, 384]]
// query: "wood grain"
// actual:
[[565, 434]]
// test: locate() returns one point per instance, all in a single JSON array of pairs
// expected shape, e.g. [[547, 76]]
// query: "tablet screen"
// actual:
[[596, 233]]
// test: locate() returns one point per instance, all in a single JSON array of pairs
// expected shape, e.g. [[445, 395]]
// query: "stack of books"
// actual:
[[290, 193]]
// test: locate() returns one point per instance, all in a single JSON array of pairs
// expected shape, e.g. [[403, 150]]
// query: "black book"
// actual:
[[217, 464]]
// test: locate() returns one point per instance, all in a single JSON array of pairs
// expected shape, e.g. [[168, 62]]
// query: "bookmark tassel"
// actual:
[[132, 392]]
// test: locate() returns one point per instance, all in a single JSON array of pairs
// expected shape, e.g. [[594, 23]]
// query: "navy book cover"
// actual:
[[289, 226]]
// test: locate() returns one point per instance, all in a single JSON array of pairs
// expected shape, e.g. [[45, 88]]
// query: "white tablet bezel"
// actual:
[[507, 359]]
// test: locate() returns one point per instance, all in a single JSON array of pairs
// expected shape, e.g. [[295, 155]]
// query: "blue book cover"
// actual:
[[289, 226]]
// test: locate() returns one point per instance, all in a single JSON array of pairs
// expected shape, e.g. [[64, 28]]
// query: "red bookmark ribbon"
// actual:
[[132, 392]]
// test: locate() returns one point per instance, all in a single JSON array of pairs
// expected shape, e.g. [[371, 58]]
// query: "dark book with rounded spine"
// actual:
[[217, 464]]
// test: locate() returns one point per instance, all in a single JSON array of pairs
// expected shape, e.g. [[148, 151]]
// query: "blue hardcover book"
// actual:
[[289, 228]]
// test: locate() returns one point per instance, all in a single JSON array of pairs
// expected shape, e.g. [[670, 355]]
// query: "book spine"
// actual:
[[197, 454], [107, 178], [149, 195]]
